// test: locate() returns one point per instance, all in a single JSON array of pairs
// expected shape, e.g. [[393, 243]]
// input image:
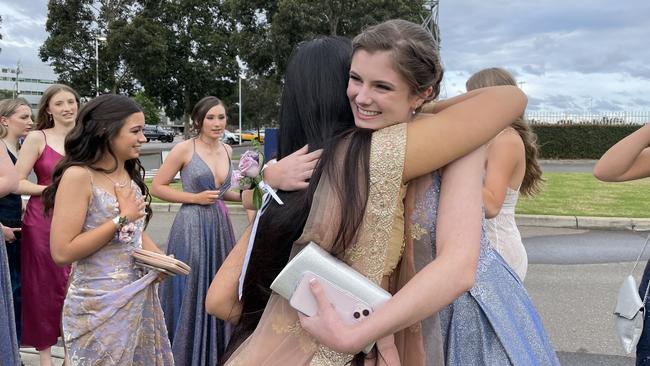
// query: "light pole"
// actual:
[[240, 109], [97, 39]]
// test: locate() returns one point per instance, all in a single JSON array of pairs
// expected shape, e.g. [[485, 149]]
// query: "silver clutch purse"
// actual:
[[630, 309], [314, 259]]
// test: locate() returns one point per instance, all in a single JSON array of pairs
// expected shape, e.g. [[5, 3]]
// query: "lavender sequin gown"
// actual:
[[495, 322], [201, 236], [111, 313]]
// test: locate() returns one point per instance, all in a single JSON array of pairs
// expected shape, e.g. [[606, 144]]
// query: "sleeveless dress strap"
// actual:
[[44, 136], [224, 147]]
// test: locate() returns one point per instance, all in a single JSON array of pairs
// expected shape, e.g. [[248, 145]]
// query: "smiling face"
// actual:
[[63, 108], [214, 123], [126, 144], [18, 123], [378, 94]]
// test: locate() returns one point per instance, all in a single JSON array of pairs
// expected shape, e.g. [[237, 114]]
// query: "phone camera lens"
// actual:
[[356, 315], [366, 312]]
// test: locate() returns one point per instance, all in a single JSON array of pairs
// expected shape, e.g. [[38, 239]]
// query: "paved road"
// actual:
[[573, 278], [567, 166]]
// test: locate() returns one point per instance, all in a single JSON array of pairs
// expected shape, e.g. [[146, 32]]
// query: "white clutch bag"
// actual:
[[314, 260]]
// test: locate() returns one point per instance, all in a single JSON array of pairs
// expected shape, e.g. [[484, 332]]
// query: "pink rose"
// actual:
[[249, 165]]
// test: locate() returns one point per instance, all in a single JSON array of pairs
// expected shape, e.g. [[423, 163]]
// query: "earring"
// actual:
[[413, 112], [50, 117]]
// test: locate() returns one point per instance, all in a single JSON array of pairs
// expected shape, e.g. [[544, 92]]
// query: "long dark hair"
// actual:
[[314, 108], [279, 227], [494, 76], [98, 122]]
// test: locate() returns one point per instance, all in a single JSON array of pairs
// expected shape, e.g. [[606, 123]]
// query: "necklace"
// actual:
[[119, 184], [211, 147]]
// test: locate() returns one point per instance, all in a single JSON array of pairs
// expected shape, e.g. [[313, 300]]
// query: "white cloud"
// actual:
[[570, 54]]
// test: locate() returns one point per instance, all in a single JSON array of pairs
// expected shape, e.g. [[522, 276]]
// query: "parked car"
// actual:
[[230, 138], [252, 135], [159, 133]]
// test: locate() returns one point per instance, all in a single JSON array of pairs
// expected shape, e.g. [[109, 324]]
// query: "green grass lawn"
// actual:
[[580, 194], [175, 185]]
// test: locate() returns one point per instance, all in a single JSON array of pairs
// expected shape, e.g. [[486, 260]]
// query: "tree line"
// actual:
[[171, 53]]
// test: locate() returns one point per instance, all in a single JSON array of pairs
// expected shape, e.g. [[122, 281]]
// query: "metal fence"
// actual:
[[607, 118]]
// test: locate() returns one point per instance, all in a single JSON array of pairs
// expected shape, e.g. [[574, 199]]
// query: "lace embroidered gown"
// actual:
[[111, 313], [495, 323], [201, 236], [505, 237]]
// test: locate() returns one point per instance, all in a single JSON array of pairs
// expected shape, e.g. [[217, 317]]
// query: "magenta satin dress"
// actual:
[[44, 283]]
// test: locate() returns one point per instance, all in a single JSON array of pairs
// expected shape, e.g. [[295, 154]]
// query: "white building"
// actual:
[[32, 81]]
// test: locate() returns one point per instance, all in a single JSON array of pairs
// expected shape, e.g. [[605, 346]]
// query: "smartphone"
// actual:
[[350, 308]]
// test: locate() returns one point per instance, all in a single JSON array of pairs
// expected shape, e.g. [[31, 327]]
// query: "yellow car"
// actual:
[[252, 135]]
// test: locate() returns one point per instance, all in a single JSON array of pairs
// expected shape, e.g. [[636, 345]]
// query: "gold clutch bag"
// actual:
[[160, 262]]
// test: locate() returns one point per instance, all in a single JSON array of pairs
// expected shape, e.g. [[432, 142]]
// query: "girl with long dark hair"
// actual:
[[310, 114], [111, 313]]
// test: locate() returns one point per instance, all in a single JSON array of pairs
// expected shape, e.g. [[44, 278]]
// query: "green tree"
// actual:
[[260, 107], [6, 94], [149, 108], [269, 30], [181, 51], [73, 27]]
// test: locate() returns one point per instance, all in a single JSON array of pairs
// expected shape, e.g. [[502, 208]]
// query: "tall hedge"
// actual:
[[578, 141]]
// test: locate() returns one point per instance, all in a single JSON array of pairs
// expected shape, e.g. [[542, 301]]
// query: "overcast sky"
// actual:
[[570, 55]]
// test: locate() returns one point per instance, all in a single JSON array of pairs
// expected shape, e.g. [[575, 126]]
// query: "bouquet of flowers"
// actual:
[[249, 175]]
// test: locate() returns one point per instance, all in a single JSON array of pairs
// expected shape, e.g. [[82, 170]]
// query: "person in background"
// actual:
[[311, 113], [629, 159], [511, 169], [201, 235], [98, 198], [43, 283], [9, 351], [15, 123]]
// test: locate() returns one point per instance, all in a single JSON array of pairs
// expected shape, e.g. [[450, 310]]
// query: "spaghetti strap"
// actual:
[[44, 136], [228, 155], [194, 145], [92, 181]]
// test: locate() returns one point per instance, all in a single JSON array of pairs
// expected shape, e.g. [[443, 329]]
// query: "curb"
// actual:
[[569, 222], [584, 222]]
